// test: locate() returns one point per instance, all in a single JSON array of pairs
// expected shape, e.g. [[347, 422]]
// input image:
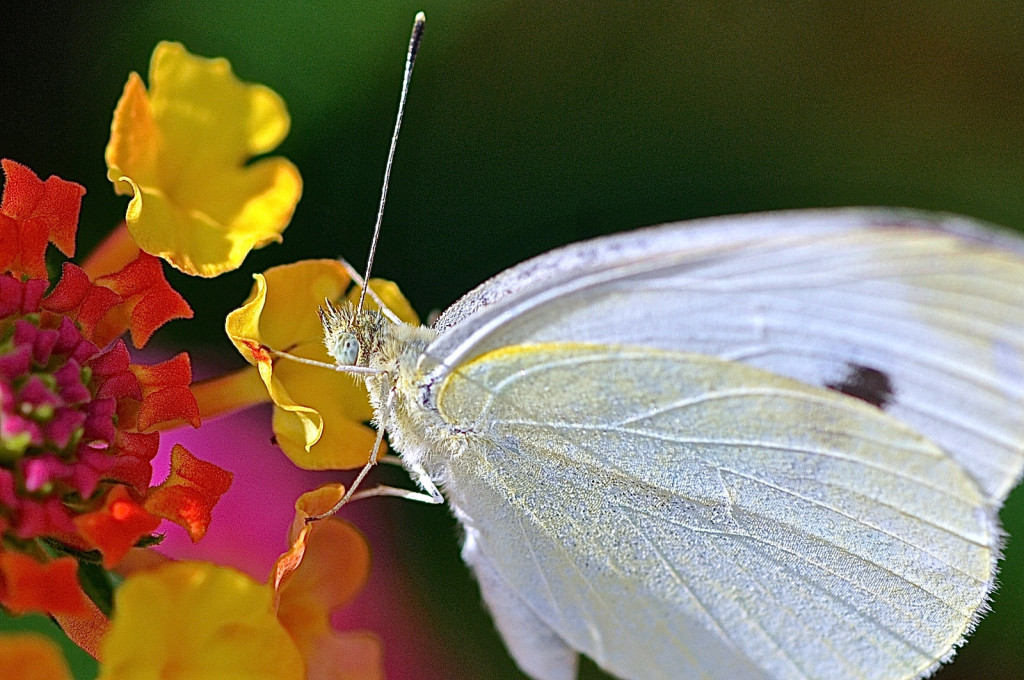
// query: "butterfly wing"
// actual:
[[675, 515], [922, 315], [538, 649]]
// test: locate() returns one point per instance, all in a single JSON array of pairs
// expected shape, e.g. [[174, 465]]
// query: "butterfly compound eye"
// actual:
[[346, 350]]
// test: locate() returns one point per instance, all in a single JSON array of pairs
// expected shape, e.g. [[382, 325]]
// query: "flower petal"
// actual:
[[327, 565], [18, 297], [148, 301], [343, 443], [79, 299], [189, 493], [310, 504], [183, 153], [135, 138], [135, 452], [31, 656], [34, 213], [117, 526], [198, 621], [166, 399], [112, 375], [48, 587]]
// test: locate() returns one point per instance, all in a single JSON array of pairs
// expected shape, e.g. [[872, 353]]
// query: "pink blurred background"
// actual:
[[250, 526]]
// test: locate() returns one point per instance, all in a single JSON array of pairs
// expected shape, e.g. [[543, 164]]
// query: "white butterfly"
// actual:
[[767, 446], [646, 440]]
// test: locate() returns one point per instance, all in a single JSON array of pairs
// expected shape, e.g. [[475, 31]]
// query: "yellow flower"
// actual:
[[319, 414], [197, 621], [182, 150], [30, 656]]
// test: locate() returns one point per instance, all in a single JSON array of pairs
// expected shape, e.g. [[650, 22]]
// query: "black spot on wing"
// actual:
[[865, 383]]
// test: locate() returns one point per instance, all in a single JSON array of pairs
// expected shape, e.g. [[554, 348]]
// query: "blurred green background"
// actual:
[[533, 124]]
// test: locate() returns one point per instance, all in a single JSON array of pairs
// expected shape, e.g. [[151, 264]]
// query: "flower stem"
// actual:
[[117, 250], [230, 392]]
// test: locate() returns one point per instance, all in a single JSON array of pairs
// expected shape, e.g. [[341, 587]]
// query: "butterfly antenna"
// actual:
[[410, 61]]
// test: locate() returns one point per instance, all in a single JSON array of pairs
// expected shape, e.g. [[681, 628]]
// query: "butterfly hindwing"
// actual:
[[676, 515]]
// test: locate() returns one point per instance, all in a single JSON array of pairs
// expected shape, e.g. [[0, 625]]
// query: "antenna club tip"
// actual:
[[417, 35]]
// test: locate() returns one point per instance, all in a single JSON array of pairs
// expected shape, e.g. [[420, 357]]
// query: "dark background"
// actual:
[[533, 124]]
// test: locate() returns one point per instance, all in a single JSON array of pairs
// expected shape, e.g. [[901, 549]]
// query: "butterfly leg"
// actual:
[[418, 473], [426, 483], [351, 492], [432, 497], [353, 370]]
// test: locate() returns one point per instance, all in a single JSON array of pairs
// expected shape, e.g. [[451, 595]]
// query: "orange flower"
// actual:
[[326, 567], [147, 299], [29, 656], [117, 526], [183, 152], [29, 585], [34, 214], [188, 495]]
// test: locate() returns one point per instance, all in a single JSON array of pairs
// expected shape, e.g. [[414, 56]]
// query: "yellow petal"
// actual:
[[300, 424], [135, 140], [243, 324], [197, 621], [342, 444], [182, 152], [30, 656]]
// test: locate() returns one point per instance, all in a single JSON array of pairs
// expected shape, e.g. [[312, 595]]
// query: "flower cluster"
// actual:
[[217, 622], [80, 418]]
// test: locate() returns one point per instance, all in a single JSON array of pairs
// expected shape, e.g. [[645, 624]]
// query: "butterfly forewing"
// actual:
[[675, 515], [902, 311]]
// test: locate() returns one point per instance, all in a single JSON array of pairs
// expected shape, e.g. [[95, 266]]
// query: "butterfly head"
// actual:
[[350, 336]]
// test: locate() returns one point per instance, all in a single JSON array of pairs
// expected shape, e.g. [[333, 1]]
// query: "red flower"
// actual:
[[117, 526], [26, 585], [77, 417], [34, 214], [188, 495]]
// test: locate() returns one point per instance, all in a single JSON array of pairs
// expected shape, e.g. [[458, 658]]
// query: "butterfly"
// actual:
[[763, 446], [752, 447]]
